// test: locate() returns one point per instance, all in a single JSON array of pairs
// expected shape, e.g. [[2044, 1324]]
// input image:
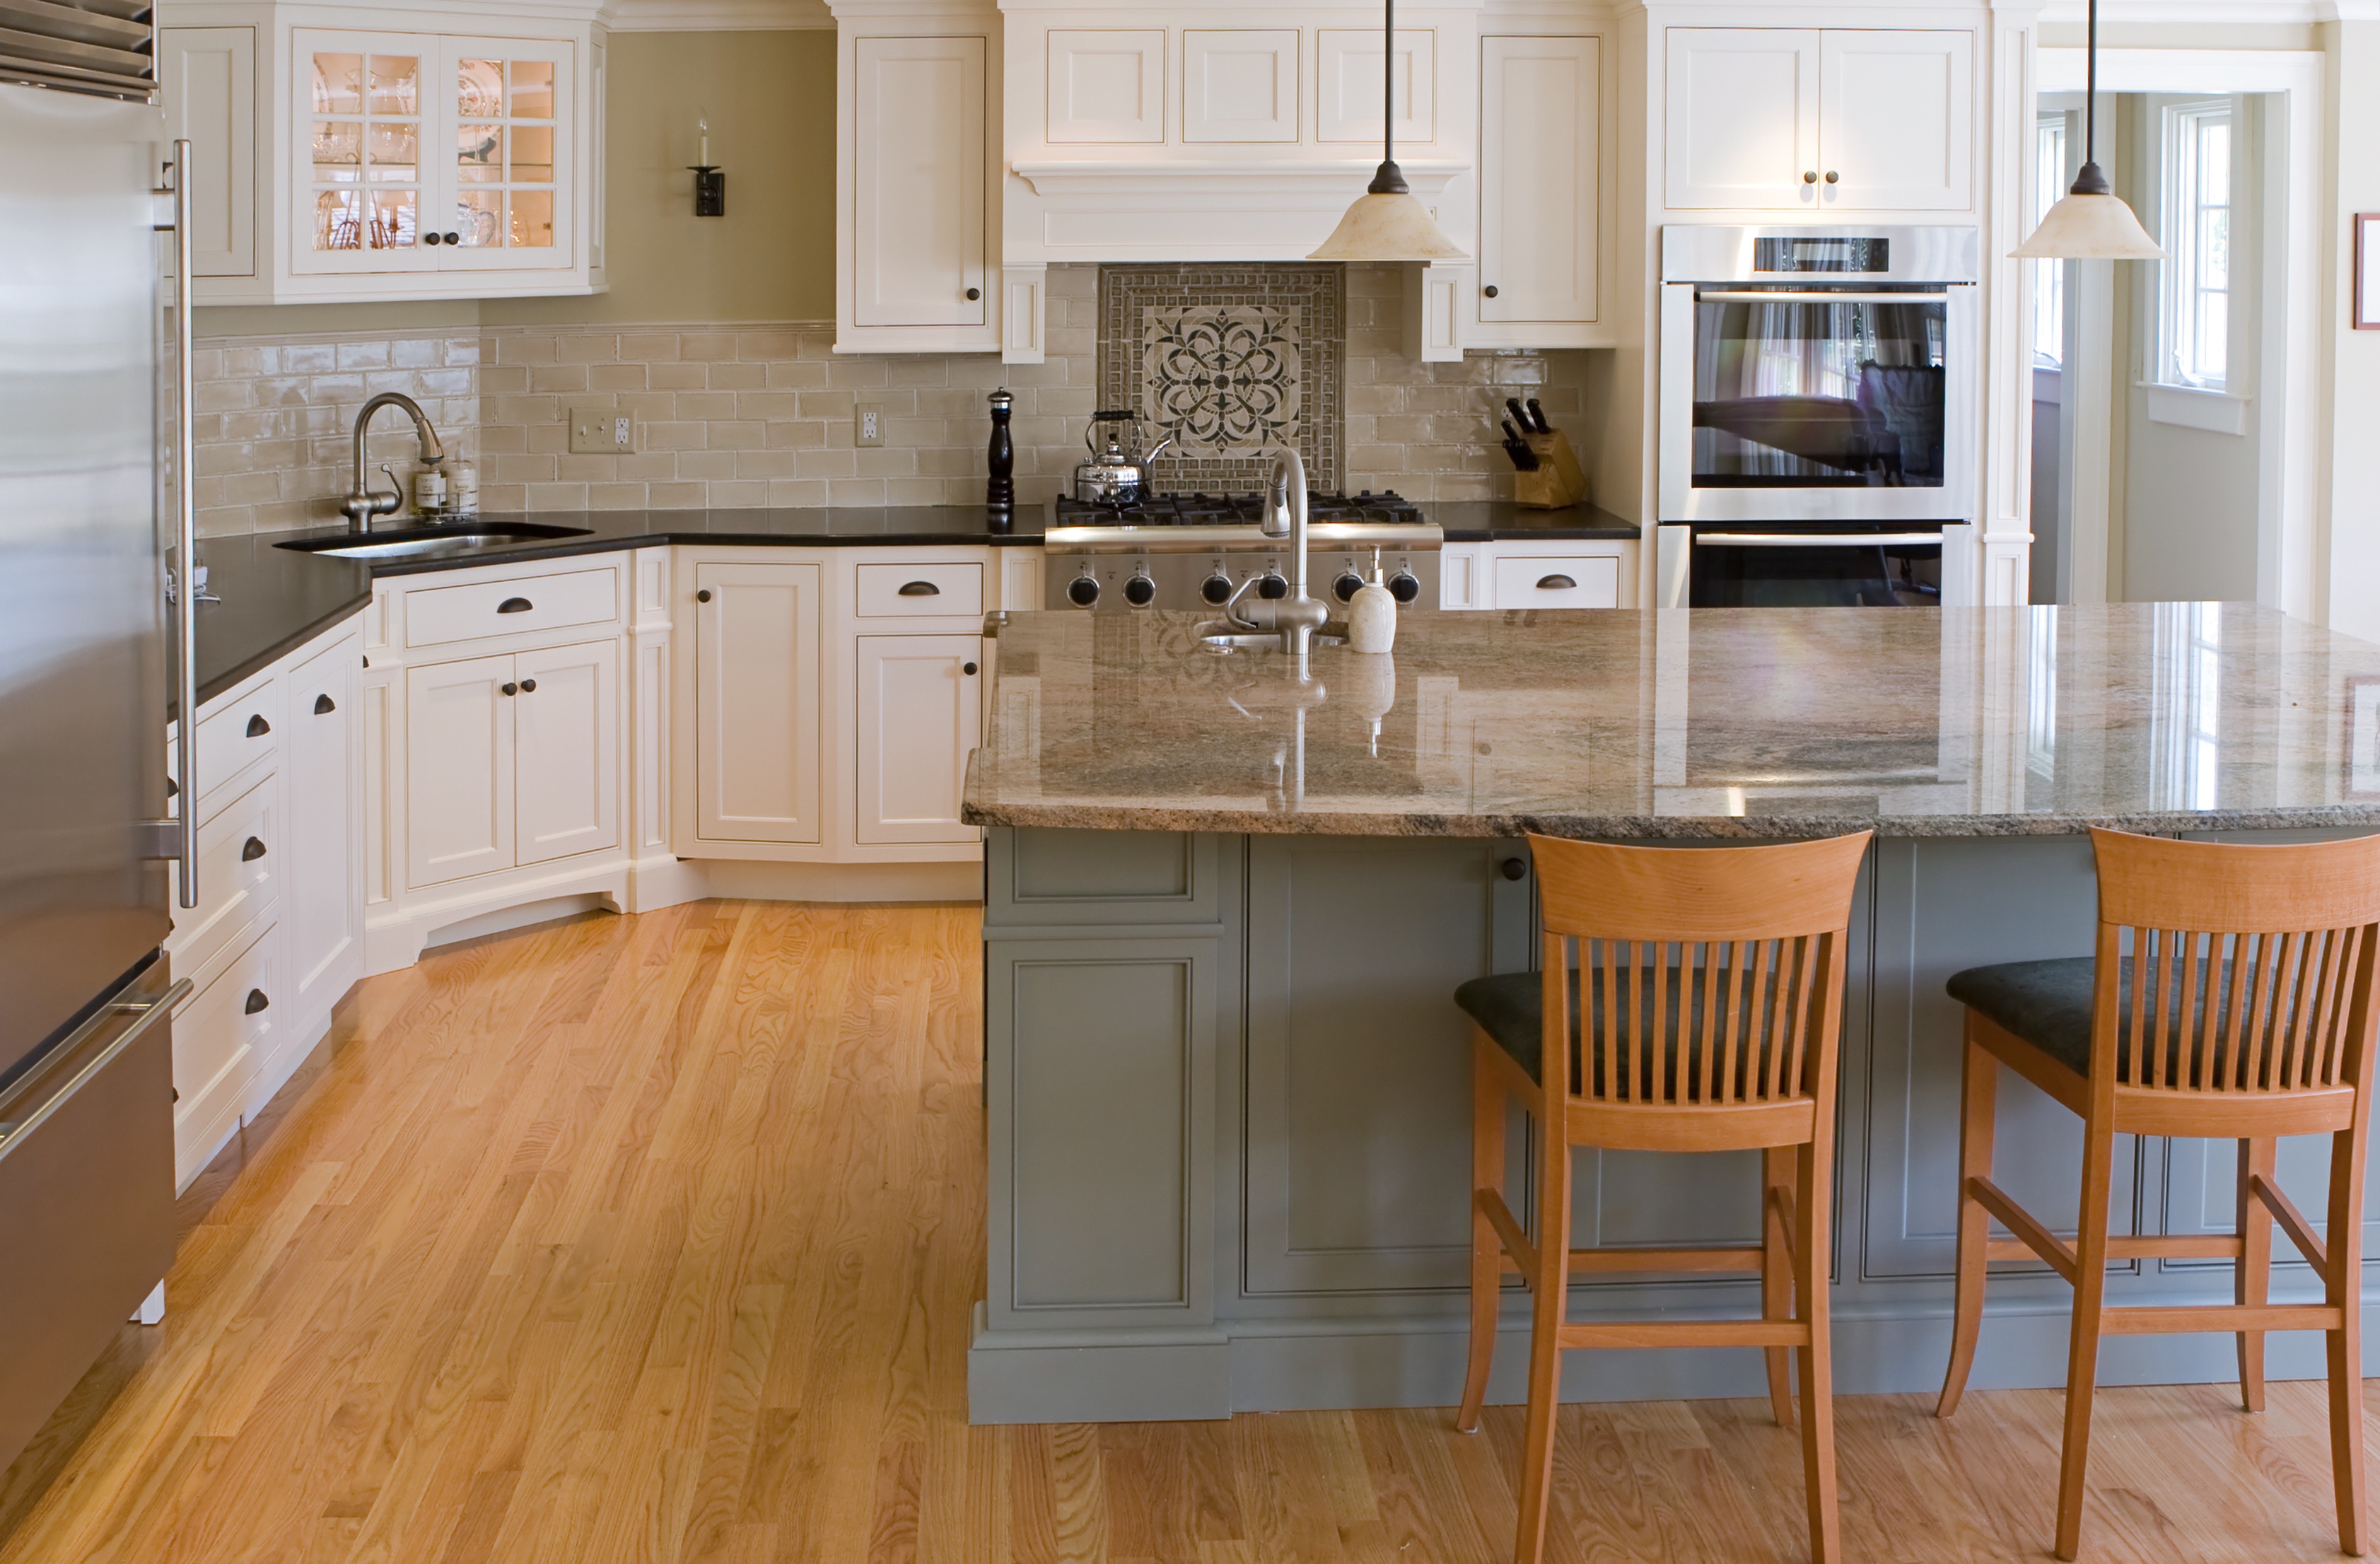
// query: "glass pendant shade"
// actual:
[[2087, 227], [1389, 225]]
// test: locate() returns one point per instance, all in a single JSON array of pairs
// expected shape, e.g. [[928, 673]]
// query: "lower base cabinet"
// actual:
[[919, 714], [757, 686]]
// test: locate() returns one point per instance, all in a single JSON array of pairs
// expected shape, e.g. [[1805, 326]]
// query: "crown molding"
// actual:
[[717, 16], [2206, 13]]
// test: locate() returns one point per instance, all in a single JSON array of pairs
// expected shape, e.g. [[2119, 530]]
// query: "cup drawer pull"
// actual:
[[252, 851], [258, 727], [256, 1002], [514, 605], [325, 706], [1556, 584], [921, 590]]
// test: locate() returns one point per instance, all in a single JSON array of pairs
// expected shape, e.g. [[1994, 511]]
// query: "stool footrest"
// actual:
[[1688, 1333], [2223, 1319]]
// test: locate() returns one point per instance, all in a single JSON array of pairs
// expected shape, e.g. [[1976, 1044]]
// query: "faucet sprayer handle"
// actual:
[[392, 501]]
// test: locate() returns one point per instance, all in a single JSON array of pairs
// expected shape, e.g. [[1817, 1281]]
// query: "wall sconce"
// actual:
[[709, 180]]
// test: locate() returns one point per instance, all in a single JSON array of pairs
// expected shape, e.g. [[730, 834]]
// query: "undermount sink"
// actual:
[[396, 542]]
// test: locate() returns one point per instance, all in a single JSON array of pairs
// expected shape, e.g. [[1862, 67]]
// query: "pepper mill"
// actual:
[[1000, 491]]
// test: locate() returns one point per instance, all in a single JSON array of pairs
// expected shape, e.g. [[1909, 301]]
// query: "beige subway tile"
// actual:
[[913, 490], [1050, 372], [805, 493], [855, 491], [917, 433], [555, 497], [704, 404], [226, 521], [804, 435], [648, 347], [551, 439], [586, 348], [760, 346], [885, 461], [499, 497], [414, 353], [858, 374], [462, 351], [924, 368], [615, 496], [833, 405], [767, 465], [766, 404], [563, 378], [832, 463], [523, 348], [586, 469], [737, 377], [737, 434], [363, 354], [706, 466], [650, 466], [1465, 485], [221, 396], [946, 460], [615, 377], [648, 407], [442, 383], [736, 495], [309, 357], [708, 347], [504, 380], [526, 467], [796, 374], [675, 435], [678, 377], [508, 438], [677, 496]]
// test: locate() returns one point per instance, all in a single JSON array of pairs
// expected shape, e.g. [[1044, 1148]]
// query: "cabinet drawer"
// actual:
[[519, 606], [233, 739], [218, 1041], [930, 588], [1556, 582], [239, 860]]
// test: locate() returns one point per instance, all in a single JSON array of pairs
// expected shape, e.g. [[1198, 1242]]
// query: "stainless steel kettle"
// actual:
[[1113, 475]]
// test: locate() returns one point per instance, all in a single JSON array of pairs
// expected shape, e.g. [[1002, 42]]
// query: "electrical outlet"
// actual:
[[600, 432], [868, 426]]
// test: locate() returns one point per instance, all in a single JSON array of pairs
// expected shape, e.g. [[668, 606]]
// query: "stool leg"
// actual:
[[2256, 1277], [1487, 1113], [2083, 1356], [1978, 1124], [1811, 1243], [1549, 1290], [2343, 1289], [1777, 1272]]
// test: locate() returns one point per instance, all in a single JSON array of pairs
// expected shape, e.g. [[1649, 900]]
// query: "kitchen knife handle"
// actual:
[[1537, 411]]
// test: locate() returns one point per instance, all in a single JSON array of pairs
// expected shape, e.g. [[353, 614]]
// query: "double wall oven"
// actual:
[[1818, 414]]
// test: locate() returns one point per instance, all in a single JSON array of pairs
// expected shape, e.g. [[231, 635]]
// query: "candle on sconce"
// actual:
[[702, 129], [709, 182]]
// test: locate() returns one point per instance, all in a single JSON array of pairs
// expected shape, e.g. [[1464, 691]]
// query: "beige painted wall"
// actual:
[[769, 97]]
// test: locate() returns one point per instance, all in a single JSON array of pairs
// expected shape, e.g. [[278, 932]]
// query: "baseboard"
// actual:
[[1314, 1365], [395, 937], [744, 879]]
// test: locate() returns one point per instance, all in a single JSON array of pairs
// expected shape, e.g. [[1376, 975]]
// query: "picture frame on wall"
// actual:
[[2367, 272]]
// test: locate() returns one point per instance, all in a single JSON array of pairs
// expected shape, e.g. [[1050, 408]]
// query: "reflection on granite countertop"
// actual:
[[267, 601], [1501, 521], [1703, 722]]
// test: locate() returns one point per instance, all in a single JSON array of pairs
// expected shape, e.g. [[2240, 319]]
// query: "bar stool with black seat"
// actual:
[[1693, 999], [2231, 996]]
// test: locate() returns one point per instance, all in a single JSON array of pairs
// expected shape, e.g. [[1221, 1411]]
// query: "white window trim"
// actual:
[[2177, 284]]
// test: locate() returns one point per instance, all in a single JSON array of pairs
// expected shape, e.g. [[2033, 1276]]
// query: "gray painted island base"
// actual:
[[1229, 1101]]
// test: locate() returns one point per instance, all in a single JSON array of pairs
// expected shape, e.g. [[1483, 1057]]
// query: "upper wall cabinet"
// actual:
[[917, 153], [405, 160], [1841, 120], [1540, 193]]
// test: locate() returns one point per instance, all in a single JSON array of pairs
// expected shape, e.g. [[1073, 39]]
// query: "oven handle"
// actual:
[[1818, 296], [1813, 539]]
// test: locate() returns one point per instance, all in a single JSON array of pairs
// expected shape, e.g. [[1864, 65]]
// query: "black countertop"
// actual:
[[273, 599]]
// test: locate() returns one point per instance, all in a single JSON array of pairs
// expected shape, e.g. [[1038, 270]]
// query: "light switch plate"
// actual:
[[600, 432], [868, 425]]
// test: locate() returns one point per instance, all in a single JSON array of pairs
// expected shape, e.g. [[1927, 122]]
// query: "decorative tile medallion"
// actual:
[[1230, 361]]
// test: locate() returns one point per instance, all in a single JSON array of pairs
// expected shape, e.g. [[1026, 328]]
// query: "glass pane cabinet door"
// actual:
[[362, 116], [509, 141]]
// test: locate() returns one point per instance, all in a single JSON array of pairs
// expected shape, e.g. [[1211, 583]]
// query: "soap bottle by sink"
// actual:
[[1372, 614]]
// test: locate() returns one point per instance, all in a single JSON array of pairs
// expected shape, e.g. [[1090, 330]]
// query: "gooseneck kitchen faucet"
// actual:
[[363, 501], [1298, 615]]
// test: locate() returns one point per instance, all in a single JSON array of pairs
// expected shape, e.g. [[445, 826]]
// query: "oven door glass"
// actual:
[[1831, 572], [1800, 390]]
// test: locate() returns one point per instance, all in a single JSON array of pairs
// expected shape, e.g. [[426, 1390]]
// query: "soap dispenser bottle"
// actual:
[[1372, 614]]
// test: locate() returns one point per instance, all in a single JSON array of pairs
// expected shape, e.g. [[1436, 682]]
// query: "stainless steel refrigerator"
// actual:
[[91, 522]]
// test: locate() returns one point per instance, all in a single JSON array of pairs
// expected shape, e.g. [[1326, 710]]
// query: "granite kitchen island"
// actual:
[[1226, 910]]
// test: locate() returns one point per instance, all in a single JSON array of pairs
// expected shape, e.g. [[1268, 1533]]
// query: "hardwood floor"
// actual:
[[654, 1240]]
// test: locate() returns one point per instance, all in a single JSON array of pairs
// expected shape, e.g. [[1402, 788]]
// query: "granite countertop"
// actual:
[[1702, 723], [1501, 521]]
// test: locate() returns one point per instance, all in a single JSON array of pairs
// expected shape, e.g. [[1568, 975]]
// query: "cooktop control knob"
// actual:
[[1140, 591], [1083, 591], [1404, 588], [1346, 587], [1216, 588], [1272, 587]]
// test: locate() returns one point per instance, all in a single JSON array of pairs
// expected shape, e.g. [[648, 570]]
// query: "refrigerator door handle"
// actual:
[[182, 587]]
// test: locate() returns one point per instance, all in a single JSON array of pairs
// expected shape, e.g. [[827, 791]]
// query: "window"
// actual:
[[2049, 276], [2198, 239]]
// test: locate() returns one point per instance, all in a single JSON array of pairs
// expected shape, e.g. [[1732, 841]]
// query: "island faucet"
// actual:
[[363, 501], [1298, 615]]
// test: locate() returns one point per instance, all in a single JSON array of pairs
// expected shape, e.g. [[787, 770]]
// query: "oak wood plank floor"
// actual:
[[653, 1240]]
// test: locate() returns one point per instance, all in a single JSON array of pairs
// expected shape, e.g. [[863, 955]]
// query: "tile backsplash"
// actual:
[[762, 414]]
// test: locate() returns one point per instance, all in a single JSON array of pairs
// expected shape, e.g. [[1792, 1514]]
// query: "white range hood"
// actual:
[[1180, 130]]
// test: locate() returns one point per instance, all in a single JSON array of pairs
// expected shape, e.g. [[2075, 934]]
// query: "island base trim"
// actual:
[[1318, 1366]]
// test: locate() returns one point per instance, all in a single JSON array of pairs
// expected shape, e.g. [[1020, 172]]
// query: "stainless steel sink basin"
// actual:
[[399, 542]]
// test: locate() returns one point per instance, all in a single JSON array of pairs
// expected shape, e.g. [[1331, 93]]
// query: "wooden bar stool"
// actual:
[[2231, 996], [1711, 1021]]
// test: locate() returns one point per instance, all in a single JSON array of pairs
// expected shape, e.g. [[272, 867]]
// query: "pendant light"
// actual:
[[2092, 223], [1388, 221]]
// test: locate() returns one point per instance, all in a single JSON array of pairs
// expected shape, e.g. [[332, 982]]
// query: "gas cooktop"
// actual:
[[1386, 508], [1191, 551]]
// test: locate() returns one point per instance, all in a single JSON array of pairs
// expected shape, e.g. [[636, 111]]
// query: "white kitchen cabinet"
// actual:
[[406, 161], [459, 773], [566, 746], [917, 715], [757, 678], [1240, 84], [1106, 86], [1528, 573], [1540, 193], [206, 82], [918, 156], [324, 788], [1838, 119]]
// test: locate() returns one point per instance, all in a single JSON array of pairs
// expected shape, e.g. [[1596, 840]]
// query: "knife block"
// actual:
[[1560, 481]]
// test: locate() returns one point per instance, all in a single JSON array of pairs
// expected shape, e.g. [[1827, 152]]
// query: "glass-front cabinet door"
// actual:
[[428, 153]]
